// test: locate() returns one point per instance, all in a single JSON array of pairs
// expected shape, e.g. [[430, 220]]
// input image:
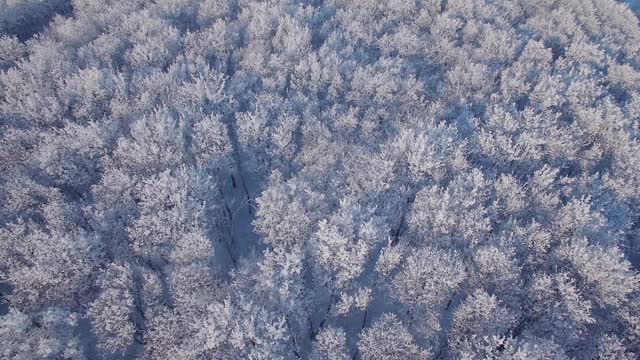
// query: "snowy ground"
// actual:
[[240, 204]]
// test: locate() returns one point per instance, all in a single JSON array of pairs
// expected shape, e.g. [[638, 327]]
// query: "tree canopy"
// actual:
[[319, 179]]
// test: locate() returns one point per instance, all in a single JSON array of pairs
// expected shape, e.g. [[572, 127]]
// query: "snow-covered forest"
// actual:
[[319, 179]]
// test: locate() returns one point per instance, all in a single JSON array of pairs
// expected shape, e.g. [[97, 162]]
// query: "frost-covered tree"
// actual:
[[111, 311], [330, 344], [49, 334], [389, 339]]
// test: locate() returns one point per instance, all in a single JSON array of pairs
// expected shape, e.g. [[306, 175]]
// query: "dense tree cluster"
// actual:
[[322, 179]]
